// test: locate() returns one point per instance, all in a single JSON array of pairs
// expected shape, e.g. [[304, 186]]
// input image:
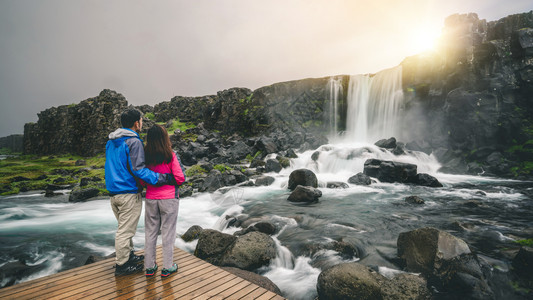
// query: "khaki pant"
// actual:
[[160, 214], [127, 209]]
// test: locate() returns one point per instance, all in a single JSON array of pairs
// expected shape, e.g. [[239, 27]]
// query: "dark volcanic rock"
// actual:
[[254, 278], [192, 233], [426, 180], [212, 245], [389, 171], [414, 200], [305, 194], [79, 194], [387, 143], [303, 177], [81, 128], [360, 179]]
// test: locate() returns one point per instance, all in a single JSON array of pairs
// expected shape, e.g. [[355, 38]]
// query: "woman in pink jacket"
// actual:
[[162, 202]]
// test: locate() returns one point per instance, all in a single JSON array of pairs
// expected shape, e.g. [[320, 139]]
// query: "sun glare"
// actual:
[[422, 40]]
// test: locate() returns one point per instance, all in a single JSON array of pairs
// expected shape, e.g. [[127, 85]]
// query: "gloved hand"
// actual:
[[170, 180]]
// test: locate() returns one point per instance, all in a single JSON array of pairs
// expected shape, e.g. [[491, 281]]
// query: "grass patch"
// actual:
[[176, 124], [222, 168], [44, 170], [195, 170], [149, 116], [251, 158], [526, 242]]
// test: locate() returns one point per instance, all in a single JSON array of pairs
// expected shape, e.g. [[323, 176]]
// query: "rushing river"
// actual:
[[490, 214], [52, 234]]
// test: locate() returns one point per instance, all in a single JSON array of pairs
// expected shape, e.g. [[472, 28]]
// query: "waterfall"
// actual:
[[374, 105], [334, 89]]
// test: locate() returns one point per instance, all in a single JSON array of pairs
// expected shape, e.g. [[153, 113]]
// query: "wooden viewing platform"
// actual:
[[195, 279]]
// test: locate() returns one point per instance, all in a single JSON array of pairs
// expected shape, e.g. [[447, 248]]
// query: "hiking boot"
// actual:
[[135, 259], [127, 268], [166, 272], [151, 271]]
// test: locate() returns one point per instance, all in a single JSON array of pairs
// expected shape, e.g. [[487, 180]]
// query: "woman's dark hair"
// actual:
[[158, 148], [129, 117]]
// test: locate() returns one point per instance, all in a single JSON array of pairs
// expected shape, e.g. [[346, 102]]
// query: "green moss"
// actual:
[[222, 168], [150, 116], [526, 242], [176, 124], [195, 170], [11, 192], [250, 158]]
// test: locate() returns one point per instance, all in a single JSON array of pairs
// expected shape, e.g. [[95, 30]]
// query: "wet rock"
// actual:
[[11, 272], [360, 179], [424, 179], [414, 200], [349, 281], [315, 155], [272, 165], [305, 194], [523, 263], [212, 182], [304, 177], [254, 278], [192, 233], [250, 251], [266, 145], [20, 179], [263, 227], [445, 260], [386, 143], [405, 286], [185, 191], [79, 194], [264, 180], [80, 162], [337, 185], [212, 245], [389, 171]]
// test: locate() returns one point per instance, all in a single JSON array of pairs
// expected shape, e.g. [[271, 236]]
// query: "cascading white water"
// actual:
[[373, 106], [334, 89]]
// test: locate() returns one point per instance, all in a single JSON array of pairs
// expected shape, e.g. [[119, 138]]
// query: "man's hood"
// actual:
[[122, 132]]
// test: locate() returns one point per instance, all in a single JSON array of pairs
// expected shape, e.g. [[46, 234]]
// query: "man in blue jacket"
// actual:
[[124, 167]]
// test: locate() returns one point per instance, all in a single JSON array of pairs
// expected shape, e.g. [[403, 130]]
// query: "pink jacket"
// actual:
[[166, 191]]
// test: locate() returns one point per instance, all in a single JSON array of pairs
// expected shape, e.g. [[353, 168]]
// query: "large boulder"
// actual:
[[387, 143], [424, 179], [212, 182], [254, 278], [303, 177], [272, 165], [250, 251], [360, 179], [192, 233], [389, 171], [445, 260], [523, 264], [80, 194], [349, 281], [212, 245], [305, 194]]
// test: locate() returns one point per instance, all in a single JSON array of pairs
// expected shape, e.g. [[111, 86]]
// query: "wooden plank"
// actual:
[[153, 286], [180, 290], [237, 293], [195, 279], [267, 296], [224, 293], [183, 276], [117, 286], [71, 287], [215, 287], [257, 293], [234, 289]]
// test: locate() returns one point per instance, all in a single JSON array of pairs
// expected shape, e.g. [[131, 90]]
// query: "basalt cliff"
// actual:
[[469, 102]]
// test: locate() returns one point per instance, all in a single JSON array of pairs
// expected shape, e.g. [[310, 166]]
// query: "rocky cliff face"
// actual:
[[12, 142], [475, 93], [78, 128]]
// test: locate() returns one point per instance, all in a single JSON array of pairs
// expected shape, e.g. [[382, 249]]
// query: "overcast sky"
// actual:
[[57, 52]]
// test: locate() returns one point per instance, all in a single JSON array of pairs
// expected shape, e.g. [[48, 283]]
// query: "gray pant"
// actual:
[[127, 209], [160, 214]]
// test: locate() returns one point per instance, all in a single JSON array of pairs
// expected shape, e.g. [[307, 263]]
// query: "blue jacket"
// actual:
[[124, 163]]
